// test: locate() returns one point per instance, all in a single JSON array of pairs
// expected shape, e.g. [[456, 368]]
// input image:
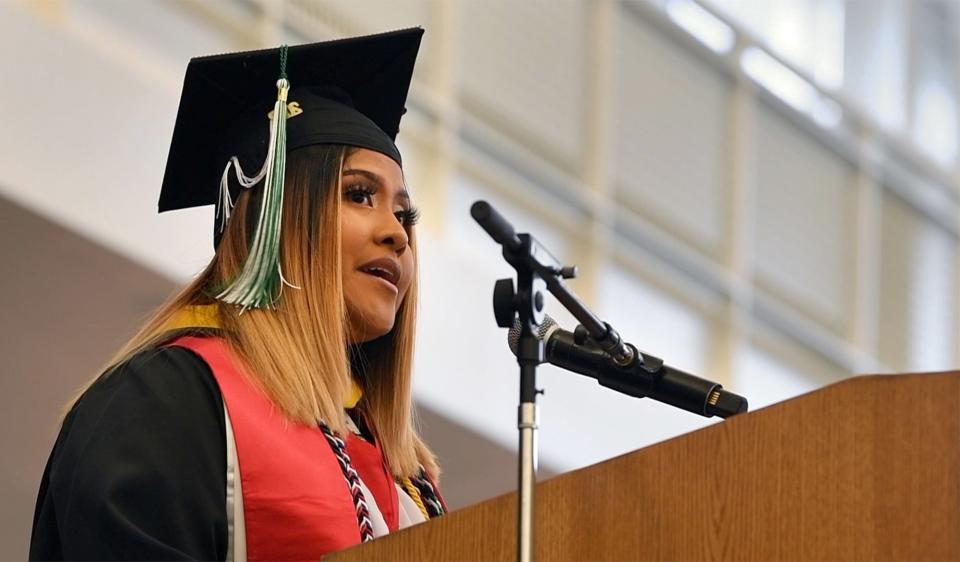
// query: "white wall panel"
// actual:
[[156, 22], [351, 17], [918, 296], [461, 227], [804, 231], [673, 130], [772, 369], [523, 69], [86, 126], [369, 16], [653, 321]]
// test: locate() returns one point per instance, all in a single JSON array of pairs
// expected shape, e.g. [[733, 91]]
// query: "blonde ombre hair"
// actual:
[[297, 353]]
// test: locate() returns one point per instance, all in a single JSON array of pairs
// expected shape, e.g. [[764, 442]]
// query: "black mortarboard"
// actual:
[[352, 91], [236, 112]]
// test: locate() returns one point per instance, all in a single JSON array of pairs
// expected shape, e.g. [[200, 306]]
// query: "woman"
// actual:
[[264, 412]]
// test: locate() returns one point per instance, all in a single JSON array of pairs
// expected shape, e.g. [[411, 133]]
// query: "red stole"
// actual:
[[295, 500]]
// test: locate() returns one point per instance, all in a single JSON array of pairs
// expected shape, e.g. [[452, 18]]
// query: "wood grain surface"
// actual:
[[866, 469]]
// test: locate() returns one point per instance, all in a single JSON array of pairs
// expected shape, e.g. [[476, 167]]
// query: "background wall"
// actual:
[[762, 193]]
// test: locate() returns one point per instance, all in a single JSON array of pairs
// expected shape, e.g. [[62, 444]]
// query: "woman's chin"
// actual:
[[370, 331]]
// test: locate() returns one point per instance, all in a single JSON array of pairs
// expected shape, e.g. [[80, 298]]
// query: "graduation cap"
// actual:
[[242, 113]]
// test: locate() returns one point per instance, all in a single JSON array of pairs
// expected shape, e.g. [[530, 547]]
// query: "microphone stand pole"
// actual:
[[529, 355], [527, 302]]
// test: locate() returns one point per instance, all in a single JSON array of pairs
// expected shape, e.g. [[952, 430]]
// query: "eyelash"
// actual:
[[407, 217]]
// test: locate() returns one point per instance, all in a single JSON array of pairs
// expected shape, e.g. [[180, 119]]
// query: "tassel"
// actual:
[[225, 202], [260, 281]]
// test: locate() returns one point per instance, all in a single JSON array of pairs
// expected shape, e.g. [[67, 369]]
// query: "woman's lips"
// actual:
[[384, 268], [380, 280]]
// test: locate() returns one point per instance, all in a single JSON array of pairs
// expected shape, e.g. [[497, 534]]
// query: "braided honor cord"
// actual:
[[429, 496], [353, 482]]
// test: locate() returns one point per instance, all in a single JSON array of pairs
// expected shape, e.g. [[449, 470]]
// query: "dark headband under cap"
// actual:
[[325, 121], [312, 119]]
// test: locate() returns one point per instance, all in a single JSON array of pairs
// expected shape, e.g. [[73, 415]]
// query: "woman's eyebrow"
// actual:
[[402, 194], [365, 173]]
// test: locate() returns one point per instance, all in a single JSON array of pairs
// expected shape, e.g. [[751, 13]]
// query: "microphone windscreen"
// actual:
[[543, 332]]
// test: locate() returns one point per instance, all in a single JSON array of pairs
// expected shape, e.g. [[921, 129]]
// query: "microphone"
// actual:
[[496, 226], [645, 377]]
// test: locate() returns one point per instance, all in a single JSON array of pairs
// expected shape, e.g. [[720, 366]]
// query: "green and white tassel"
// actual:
[[260, 281]]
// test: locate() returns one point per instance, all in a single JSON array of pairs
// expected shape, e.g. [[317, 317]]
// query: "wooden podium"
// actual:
[[866, 469]]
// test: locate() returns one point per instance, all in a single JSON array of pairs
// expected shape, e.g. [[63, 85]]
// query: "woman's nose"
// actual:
[[392, 232]]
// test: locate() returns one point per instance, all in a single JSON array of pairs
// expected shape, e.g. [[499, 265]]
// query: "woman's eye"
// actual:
[[408, 217], [360, 195]]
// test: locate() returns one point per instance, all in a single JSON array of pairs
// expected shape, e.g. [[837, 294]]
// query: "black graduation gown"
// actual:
[[137, 471]]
